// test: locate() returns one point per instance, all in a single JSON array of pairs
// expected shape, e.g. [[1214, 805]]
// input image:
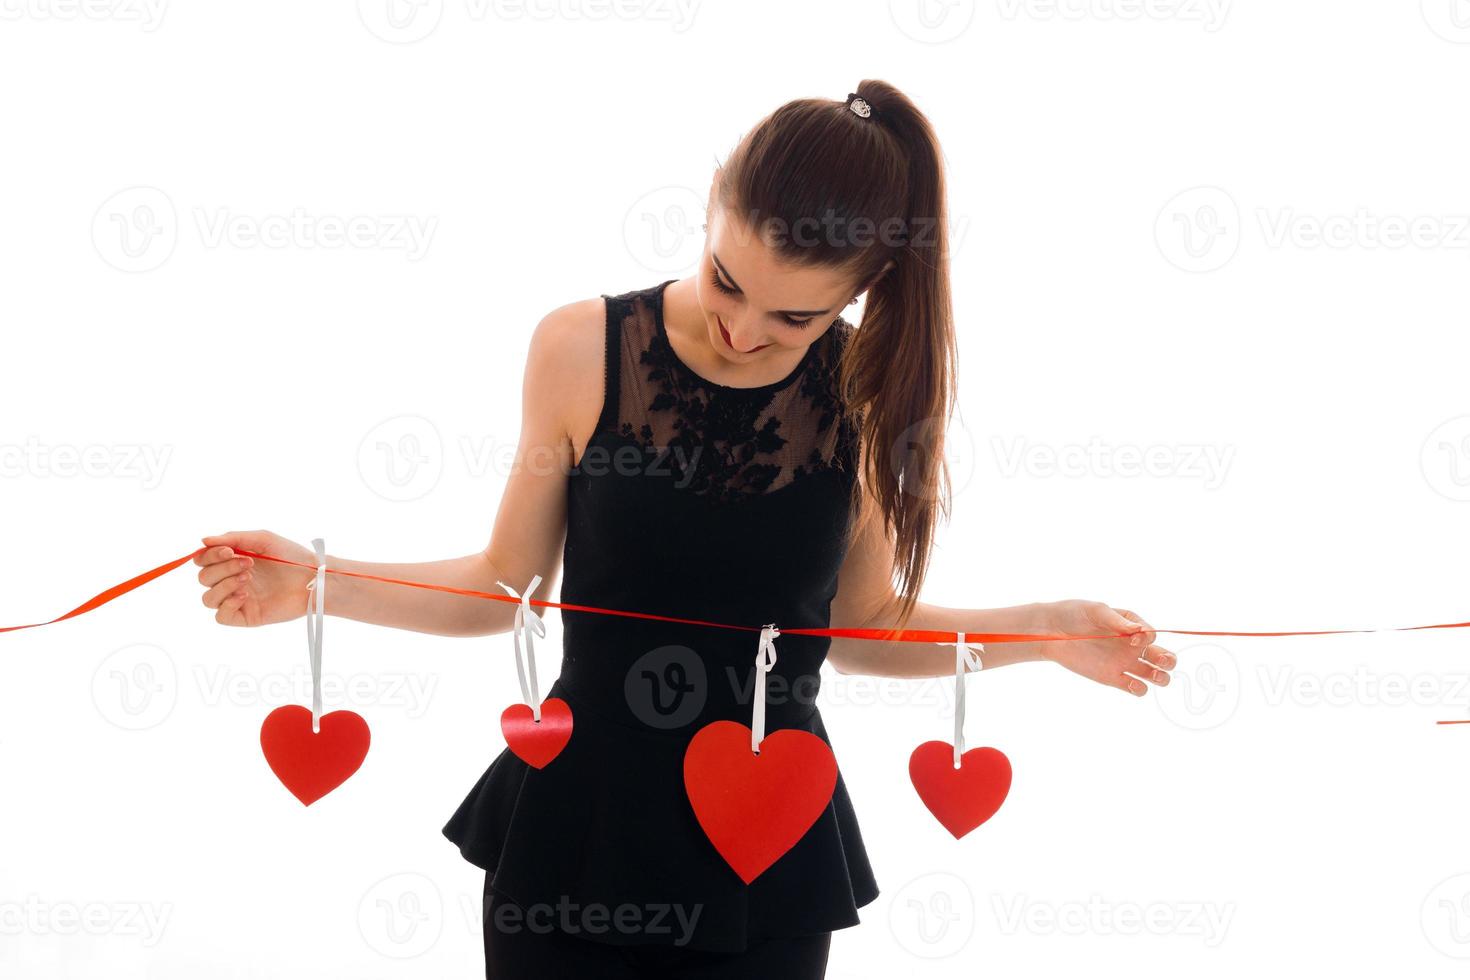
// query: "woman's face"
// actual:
[[756, 304]]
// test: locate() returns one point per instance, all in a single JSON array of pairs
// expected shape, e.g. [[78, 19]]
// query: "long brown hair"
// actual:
[[855, 184]]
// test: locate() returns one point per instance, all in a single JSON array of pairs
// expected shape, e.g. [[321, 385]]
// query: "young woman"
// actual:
[[727, 448]]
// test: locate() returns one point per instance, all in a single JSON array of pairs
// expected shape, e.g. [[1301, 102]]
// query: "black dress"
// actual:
[[699, 501]]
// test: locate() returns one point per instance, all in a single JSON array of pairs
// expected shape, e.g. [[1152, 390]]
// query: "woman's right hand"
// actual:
[[246, 592]]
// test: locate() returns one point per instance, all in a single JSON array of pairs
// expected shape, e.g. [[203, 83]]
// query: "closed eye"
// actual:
[[717, 281]]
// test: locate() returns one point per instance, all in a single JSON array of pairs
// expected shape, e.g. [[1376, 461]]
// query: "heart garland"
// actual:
[[311, 754], [962, 795], [535, 731], [754, 804], [962, 789]]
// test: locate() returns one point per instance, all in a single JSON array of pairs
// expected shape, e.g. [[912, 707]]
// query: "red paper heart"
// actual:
[[964, 798], [312, 764], [537, 743], [754, 808]]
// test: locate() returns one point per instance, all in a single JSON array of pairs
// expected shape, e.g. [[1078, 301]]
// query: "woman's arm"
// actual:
[[563, 374], [901, 659], [563, 362], [866, 598]]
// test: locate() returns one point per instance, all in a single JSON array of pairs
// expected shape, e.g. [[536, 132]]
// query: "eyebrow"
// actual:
[[792, 313]]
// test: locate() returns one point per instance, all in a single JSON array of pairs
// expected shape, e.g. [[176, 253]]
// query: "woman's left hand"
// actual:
[[1105, 660]]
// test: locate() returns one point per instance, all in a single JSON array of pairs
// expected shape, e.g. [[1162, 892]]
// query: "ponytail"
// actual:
[[902, 364], [878, 162]]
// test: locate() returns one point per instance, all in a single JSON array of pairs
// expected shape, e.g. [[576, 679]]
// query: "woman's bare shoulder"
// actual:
[[565, 362], [569, 325], [568, 339]]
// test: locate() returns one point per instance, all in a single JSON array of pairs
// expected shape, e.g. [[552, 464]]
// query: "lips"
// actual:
[[725, 335]]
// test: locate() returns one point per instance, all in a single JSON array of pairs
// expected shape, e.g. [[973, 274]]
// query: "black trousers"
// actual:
[[529, 944]]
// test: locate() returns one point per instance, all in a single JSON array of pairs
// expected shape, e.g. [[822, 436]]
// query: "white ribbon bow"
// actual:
[[964, 659], [765, 659], [526, 616], [316, 609]]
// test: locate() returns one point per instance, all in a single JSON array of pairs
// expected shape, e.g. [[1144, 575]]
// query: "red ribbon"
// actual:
[[854, 633], [107, 596]]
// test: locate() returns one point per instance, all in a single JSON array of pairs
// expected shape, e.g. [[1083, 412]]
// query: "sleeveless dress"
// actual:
[[701, 501]]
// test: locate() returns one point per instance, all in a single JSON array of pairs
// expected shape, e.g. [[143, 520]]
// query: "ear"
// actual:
[[888, 267]]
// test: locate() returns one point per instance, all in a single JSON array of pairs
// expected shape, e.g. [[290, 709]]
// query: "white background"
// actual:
[[1179, 231]]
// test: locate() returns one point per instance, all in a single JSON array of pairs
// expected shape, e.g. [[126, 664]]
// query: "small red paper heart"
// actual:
[[537, 743], [964, 798], [754, 808], [312, 764]]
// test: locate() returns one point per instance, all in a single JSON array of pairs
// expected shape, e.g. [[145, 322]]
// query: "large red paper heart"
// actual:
[[537, 743], [964, 798], [754, 808], [312, 764]]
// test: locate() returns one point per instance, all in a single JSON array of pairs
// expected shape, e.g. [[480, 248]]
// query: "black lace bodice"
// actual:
[[719, 440]]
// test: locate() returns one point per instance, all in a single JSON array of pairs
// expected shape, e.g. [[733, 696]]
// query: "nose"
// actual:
[[744, 337]]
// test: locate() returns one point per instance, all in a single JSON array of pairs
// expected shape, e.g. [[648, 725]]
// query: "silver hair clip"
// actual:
[[859, 106]]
